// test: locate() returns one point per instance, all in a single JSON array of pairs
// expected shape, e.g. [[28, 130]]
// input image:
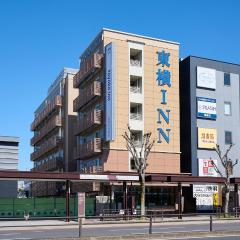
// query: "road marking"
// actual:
[[137, 229], [9, 234]]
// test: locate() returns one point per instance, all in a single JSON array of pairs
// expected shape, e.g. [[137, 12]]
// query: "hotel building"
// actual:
[[8, 162], [53, 140], [127, 79]]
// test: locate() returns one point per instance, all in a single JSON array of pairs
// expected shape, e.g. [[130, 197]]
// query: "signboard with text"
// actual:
[[206, 78], [206, 168], [206, 108], [110, 92], [207, 138]]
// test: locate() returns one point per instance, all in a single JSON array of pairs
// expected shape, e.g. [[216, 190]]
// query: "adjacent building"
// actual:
[[210, 114], [127, 79], [53, 140], [8, 162]]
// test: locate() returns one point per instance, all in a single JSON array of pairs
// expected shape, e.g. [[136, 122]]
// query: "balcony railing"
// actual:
[[88, 149], [135, 90], [92, 119], [87, 67], [50, 165], [135, 63], [136, 116], [52, 124], [137, 143], [49, 145], [87, 95], [50, 106]]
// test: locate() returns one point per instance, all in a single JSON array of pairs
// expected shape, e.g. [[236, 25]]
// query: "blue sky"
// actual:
[[39, 37]]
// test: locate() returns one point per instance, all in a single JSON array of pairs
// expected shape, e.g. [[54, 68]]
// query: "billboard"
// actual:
[[206, 168], [205, 196], [206, 78], [207, 138], [110, 92], [206, 108]]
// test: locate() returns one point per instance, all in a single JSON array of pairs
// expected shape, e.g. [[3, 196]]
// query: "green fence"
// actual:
[[42, 207]]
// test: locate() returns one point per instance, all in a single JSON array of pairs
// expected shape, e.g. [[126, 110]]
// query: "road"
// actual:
[[116, 230]]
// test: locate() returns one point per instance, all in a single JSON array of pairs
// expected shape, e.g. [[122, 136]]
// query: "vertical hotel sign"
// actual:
[[110, 92], [164, 81]]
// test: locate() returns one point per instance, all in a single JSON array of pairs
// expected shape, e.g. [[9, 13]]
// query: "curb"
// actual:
[[156, 236]]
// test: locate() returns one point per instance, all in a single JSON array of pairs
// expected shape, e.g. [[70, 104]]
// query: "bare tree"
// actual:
[[140, 158], [228, 166]]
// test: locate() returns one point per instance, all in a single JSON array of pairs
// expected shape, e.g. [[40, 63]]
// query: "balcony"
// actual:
[[51, 125], [135, 90], [88, 149], [87, 95], [50, 106], [87, 67], [50, 165], [92, 120], [136, 116], [46, 147]]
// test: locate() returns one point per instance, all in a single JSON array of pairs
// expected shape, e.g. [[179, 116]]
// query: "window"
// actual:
[[135, 57], [135, 111], [135, 84], [228, 137], [227, 80], [132, 164], [227, 108]]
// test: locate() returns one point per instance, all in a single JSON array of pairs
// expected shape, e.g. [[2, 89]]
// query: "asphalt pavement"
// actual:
[[66, 230]]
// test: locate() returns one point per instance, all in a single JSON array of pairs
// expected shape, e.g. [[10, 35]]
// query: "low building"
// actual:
[[9, 148]]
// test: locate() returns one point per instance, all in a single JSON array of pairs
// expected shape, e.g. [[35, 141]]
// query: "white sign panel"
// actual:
[[206, 77], [204, 201], [206, 168], [206, 108], [110, 93], [205, 189], [204, 196]]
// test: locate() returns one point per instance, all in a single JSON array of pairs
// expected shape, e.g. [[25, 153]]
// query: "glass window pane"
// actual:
[[228, 137], [227, 108], [227, 81]]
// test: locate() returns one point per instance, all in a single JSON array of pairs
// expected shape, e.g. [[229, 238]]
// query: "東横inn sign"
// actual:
[[163, 78]]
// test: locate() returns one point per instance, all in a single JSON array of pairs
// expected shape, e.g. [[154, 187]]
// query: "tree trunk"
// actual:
[[226, 202], [142, 185]]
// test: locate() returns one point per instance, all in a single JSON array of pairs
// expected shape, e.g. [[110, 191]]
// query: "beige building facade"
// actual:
[[127, 79]]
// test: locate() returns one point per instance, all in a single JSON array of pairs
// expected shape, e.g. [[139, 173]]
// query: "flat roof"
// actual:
[[125, 33], [9, 139], [210, 59], [141, 36]]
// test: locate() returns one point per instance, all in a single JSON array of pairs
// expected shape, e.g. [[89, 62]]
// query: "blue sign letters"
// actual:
[[163, 78]]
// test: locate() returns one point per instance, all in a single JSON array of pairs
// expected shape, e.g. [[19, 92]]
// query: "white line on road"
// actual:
[[8, 234], [137, 229]]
